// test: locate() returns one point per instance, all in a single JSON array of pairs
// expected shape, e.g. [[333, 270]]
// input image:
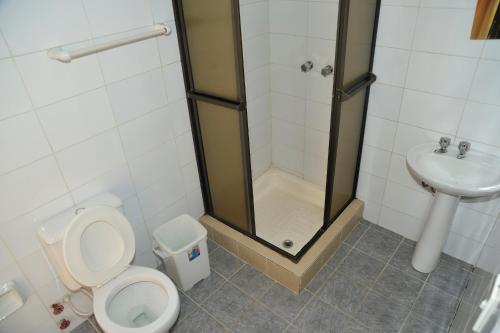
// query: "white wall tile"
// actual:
[[486, 82], [190, 176], [385, 101], [137, 95], [319, 88], [375, 161], [446, 31], [491, 49], [318, 116], [13, 96], [494, 236], [257, 83], [195, 203], [185, 148], [321, 52], [438, 113], [288, 50], [149, 167], [6, 257], [179, 117], [410, 3], [163, 193], [254, 19], [162, 11], [396, 26], [48, 81], [322, 20], [261, 160], [288, 159], [76, 119], [111, 16], [390, 65], [128, 60], [21, 141], [408, 136], [399, 173], [256, 52], [315, 169], [287, 80], [484, 117], [29, 187], [317, 143], [87, 160], [155, 129], [370, 187], [30, 25], [449, 3], [461, 247], [441, 74], [174, 82], [20, 234], [288, 135], [4, 50], [371, 212], [258, 110], [472, 224], [406, 200], [32, 317], [116, 181], [288, 108], [36, 268], [260, 135], [170, 212], [403, 224], [169, 45], [288, 17], [379, 132], [488, 259]]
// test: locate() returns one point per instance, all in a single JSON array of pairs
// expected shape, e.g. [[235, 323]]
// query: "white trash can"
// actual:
[[182, 244]]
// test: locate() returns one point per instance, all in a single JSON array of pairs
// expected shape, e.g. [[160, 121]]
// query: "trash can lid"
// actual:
[[179, 234]]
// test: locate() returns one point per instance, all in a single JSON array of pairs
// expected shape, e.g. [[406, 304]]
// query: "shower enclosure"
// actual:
[[277, 93]]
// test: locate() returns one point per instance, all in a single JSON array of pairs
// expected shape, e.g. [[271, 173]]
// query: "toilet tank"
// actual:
[[51, 233]]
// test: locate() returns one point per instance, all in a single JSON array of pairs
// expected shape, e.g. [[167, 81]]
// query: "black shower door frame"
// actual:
[[240, 105]]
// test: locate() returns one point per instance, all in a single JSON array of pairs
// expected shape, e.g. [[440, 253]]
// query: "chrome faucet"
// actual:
[[444, 143], [463, 147]]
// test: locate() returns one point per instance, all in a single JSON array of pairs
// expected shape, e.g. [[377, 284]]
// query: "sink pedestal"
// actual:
[[436, 230]]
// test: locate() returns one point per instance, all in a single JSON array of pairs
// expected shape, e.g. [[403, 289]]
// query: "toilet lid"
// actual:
[[98, 245]]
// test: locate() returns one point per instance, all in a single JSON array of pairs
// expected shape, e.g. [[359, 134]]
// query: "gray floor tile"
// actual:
[[292, 329], [224, 262], [320, 317], [187, 307], [356, 234], [450, 276], [402, 260], [252, 281], [285, 303], [416, 324], [211, 245], [387, 232], [378, 245], [320, 278], [477, 288], [339, 255], [382, 314], [258, 319], [204, 288], [398, 285], [361, 267], [199, 322], [84, 327], [227, 304], [353, 327], [343, 291], [436, 305]]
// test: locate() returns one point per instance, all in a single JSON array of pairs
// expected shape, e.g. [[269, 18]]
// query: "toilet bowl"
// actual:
[[94, 250]]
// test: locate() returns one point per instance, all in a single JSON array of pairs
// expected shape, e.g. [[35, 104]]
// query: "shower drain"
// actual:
[[287, 243]]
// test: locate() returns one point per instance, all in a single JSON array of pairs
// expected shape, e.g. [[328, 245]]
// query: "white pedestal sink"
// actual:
[[476, 175]]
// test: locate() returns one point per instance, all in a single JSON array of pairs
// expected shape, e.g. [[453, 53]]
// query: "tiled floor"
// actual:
[[367, 286]]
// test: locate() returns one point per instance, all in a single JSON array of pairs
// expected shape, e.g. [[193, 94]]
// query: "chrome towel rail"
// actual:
[[63, 55]]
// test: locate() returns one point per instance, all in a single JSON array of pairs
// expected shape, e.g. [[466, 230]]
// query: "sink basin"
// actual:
[[476, 175], [451, 178]]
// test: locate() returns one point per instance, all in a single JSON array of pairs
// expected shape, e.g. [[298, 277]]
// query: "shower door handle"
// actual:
[[353, 89]]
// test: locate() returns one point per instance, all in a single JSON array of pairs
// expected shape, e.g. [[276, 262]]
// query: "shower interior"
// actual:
[[288, 114]]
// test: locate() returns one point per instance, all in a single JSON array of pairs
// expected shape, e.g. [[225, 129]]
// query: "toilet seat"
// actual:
[[103, 298], [98, 245]]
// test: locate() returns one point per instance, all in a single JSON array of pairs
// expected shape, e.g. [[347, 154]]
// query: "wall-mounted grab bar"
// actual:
[[59, 53]]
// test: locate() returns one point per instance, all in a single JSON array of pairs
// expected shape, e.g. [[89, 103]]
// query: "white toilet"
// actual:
[[92, 246]]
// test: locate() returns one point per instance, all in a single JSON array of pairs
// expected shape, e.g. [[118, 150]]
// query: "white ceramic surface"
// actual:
[[476, 175]]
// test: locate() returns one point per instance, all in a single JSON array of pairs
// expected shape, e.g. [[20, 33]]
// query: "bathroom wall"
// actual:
[[114, 122], [289, 111], [432, 81]]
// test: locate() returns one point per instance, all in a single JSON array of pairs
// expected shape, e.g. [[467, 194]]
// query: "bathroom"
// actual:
[[126, 120]]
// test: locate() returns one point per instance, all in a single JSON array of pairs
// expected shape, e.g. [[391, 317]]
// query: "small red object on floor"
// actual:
[[57, 308], [64, 323]]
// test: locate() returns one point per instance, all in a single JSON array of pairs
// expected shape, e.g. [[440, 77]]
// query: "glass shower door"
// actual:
[[353, 77], [210, 44]]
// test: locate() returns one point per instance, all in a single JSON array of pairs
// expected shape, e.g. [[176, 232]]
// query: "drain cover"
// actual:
[[287, 243]]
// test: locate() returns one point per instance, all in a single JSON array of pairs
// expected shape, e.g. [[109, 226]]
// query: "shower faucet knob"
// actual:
[[306, 67], [327, 70]]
